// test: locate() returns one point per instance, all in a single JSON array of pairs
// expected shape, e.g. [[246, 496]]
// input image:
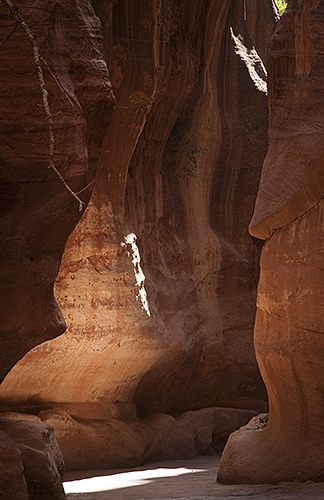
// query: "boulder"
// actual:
[[129, 441], [12, 478], [92, 443], [212, 426], [41, 458]]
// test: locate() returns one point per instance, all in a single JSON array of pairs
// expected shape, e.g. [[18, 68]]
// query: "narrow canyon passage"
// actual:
[[182, 296]]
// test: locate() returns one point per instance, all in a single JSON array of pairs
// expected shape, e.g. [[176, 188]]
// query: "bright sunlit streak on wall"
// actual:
[[123, 480], [253, 62], [130, 243]]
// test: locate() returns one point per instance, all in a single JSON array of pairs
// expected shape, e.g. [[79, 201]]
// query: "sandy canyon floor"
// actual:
[[177, 479]]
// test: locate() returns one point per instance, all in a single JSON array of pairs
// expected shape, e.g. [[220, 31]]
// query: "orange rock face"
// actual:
[[289, 330]]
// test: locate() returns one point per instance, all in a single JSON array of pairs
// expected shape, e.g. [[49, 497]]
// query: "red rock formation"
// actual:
[[179, 168], [289, 331], [37, 212]]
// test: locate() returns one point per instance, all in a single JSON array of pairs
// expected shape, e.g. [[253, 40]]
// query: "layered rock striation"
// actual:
[[158, 280], [178, 174], [55, 102], [37, 211]]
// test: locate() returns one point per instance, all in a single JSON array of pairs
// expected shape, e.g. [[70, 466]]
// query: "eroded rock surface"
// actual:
[[32, 461], [292, 178], [158, 280], [100, 436], [289, 331], [37, 213], [178, 174]]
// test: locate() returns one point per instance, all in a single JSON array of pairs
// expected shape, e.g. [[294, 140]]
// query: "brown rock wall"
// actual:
[[296, 121], [37, 212], [179, 168]]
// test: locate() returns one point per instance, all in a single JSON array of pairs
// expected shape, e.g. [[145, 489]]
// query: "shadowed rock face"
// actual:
[[178, 174], [39, 458], [37, 213], [289, 212], [296, 121]]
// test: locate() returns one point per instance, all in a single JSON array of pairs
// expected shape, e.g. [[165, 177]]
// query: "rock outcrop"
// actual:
[[289, 330], [158, 280], [12, 479]]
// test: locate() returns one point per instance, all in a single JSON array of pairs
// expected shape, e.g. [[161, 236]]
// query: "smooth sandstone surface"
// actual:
[[289, 343], [289, 330]]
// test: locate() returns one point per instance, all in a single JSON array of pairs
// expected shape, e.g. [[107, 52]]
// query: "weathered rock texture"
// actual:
[[179, 168], [90, 437], [37, 213], [289, 329], [178, 173], [32, 463], [12, 479]]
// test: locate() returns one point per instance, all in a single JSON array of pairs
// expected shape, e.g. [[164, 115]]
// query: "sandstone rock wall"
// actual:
[[158, 280], [289, 213], [37, 212], [179, 169]]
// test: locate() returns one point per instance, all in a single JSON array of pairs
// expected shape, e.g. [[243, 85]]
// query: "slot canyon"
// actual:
[[161, 238]]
